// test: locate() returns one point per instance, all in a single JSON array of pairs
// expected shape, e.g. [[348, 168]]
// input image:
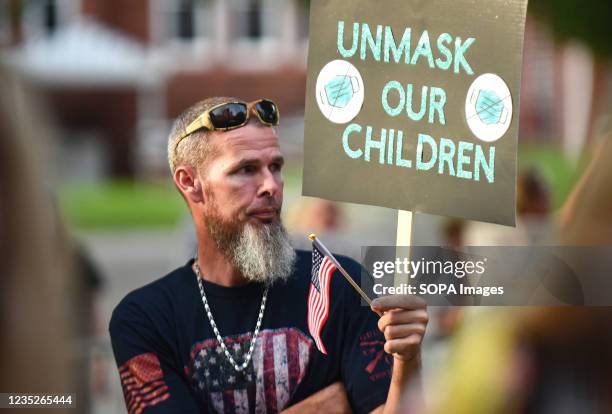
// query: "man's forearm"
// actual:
[[332, 399], [403, 372], [403, 322]]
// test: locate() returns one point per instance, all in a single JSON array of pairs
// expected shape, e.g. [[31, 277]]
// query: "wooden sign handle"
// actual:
[[403, 241], [404, 228]]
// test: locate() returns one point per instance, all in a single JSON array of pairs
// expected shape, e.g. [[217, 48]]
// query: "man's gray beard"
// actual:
[[261, 253]]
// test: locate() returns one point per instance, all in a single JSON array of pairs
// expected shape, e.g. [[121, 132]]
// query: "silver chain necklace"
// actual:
[[262, 308]]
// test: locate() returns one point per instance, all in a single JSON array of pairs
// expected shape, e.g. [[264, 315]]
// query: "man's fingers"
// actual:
[[401, 317], [385, 303], [403, 331], [403, 324], [403, 346]]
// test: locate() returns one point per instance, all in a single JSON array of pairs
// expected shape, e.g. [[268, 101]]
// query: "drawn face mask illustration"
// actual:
[[490, 107], [340, 90]]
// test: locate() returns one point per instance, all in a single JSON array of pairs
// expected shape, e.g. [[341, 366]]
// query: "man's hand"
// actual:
[[403, 324], [331, 399]]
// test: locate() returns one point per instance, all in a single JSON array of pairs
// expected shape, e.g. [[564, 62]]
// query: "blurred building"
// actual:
[[114, 72], [564, 91]]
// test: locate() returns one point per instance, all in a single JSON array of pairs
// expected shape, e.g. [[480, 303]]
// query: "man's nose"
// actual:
[[271, 184]]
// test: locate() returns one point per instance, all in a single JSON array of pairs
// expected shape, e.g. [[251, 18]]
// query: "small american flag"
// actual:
[[318, 297]]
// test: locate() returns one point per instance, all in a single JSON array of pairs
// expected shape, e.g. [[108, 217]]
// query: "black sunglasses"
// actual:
[[232, 115]]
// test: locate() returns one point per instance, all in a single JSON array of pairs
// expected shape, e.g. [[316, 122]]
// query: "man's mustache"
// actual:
[[271, 207]]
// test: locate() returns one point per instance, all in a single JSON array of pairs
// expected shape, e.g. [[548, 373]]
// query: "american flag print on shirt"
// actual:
[[318, 297], [142, 382], [278, 366]]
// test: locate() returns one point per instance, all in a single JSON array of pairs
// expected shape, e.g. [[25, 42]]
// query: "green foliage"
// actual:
[[121, 205], [589, 21]]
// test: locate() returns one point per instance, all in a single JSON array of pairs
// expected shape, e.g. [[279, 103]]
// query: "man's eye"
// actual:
[[276, 167], [247, 169]]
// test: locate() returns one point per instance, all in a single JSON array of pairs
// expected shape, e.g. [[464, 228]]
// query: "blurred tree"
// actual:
[[587, 21]]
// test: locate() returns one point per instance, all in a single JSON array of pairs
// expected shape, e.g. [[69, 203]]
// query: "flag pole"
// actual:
[[344, 273]]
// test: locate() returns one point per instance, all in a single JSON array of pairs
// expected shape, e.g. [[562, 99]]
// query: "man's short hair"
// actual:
[[196, 149]]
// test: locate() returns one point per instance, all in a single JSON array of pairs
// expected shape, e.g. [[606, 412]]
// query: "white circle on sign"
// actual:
[[488, 107], [340, 91]]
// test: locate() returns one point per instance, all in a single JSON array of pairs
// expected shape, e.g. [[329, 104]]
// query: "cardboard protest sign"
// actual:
[[413, 105]]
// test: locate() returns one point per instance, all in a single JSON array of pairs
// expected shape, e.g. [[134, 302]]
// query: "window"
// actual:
[[186, 20], [45, 17], [253, 20], [185, 24], [303, 16], [49, 16], [253, 16]]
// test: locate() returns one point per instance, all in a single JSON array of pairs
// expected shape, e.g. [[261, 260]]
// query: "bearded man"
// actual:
[[227, 332]]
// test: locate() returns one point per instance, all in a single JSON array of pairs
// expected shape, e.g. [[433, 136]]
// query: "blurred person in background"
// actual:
[[540, 360], [533, 224], [41, 301], [453, 230], [35, 350], [315, 216], [248, 283], [586, 217], [324, 218]]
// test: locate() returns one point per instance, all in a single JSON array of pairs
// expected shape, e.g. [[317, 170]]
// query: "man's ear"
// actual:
[[189, 184]]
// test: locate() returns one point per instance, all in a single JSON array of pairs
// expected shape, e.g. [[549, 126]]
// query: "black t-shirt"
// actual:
[[170, 361]]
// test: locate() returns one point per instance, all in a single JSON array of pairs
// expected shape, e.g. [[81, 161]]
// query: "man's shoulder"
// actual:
[[158, 296]]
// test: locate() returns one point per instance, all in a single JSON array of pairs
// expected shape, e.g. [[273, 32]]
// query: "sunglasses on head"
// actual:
[[232, 115]]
